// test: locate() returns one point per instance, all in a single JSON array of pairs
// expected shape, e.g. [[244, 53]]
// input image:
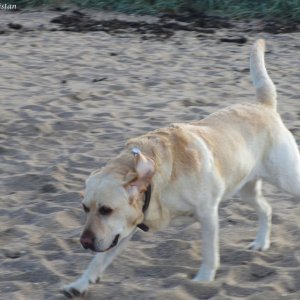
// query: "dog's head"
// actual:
[[113, 201]]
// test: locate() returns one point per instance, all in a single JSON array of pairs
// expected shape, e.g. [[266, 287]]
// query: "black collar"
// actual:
[[145, 207]]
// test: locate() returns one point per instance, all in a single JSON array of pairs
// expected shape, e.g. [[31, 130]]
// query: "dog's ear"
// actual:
[[139, 180]]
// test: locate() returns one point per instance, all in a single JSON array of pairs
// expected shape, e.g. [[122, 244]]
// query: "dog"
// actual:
[[187, 169]]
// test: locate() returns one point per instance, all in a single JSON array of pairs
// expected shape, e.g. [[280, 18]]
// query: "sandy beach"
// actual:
[[70, 100]]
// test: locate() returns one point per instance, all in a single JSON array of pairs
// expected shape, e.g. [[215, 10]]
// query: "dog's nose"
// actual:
[[87, 240]]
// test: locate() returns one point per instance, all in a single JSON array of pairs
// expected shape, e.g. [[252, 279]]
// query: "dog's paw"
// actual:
[[205, 274], [203, 278], [259, 245], [76, 289], [72, 292]]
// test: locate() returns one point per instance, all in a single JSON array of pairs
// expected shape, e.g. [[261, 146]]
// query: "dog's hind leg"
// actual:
[[210, 248], [283, 164], [95, 269], [251, 192], [281, 168]]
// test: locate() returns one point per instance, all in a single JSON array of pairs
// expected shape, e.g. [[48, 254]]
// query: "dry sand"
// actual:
[[57, 125]]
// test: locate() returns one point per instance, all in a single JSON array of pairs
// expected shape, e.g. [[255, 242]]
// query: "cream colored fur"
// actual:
[[192, 168]]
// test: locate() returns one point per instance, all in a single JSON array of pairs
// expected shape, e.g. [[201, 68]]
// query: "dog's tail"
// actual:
[[264, 86]]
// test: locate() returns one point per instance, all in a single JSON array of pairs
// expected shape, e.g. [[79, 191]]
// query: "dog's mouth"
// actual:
[[115, 241], [97, 249], [113, 244]]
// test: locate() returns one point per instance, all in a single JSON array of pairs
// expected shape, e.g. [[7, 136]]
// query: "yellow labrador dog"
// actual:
[[187, 169]]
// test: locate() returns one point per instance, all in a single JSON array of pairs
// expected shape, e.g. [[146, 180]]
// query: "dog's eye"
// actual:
[[105, 211], [85, 208]]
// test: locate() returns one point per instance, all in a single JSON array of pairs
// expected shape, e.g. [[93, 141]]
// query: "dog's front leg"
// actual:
[[210, 249], [95, 269]]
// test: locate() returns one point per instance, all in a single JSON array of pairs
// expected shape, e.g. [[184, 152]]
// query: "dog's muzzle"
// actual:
[[88, 241], [114, 243]]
